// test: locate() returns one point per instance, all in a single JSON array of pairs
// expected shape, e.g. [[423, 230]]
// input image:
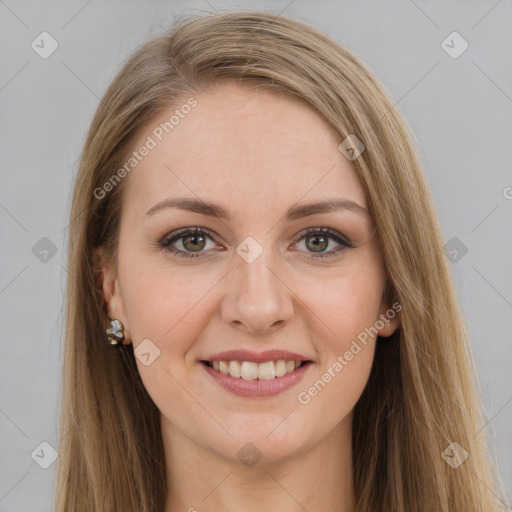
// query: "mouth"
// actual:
[[251, 379], [250, 370]]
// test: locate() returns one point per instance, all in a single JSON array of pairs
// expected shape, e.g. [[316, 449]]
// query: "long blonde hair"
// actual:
[[422, 393]]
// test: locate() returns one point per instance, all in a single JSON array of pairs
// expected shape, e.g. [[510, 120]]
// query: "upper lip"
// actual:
[[256, 357]]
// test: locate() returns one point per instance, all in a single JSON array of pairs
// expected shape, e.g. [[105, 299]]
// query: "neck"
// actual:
[[317, 478]]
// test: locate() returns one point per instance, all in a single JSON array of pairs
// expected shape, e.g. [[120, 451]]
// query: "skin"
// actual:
[[256, 154]]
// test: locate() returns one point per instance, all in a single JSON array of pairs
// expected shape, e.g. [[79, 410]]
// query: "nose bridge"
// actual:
[[253, 270], [256, 297], [257, 271]]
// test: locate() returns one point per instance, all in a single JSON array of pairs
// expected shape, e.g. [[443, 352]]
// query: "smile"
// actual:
[[250, 379], [249, 370]]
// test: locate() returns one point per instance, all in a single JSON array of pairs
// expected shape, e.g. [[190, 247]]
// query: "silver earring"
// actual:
[[115, 332]]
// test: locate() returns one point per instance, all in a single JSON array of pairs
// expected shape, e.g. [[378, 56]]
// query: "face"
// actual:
[[270, 280]]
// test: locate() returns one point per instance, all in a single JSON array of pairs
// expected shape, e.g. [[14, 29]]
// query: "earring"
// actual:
[[115, 332]]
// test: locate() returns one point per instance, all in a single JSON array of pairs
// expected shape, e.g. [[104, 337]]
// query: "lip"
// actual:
[[258, 388], [256, 357]]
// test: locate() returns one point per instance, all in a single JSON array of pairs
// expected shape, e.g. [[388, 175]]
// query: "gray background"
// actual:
[[459, 108]]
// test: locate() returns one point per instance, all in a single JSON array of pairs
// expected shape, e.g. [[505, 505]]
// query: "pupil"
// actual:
[[195, 238], [316, 246]]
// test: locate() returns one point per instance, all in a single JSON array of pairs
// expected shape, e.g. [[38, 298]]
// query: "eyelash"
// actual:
[[166, 241]]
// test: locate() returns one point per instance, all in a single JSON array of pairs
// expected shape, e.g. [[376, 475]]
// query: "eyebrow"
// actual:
[[295, 212]]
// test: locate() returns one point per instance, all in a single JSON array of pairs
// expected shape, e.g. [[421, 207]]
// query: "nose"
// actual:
[[257, 300]]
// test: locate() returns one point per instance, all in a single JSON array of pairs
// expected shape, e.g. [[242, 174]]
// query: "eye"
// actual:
[[193, 241], [317, 240]]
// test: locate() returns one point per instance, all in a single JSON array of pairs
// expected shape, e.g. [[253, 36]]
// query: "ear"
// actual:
[[108, 281], [389, 319]]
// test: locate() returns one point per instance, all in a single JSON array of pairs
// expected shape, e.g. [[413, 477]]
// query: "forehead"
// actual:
[[243, 147]]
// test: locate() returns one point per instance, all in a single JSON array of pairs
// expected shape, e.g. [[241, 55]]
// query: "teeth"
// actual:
[[280, 368], [234, 369], [266, 371], [249, 370]]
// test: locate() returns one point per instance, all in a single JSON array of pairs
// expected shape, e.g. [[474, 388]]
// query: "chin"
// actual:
[[256, 440]]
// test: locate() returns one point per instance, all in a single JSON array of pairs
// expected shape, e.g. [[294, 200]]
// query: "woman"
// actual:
[[259, 311]]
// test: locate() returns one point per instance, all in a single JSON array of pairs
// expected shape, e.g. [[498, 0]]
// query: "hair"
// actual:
[[423, 388]]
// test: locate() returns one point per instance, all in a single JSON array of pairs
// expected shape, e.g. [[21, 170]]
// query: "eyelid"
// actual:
[[181, 233], [168, 239], [339, 237]]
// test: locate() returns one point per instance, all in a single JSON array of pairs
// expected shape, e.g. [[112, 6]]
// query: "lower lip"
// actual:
[[258, 388]]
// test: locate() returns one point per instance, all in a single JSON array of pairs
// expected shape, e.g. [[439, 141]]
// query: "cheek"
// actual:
[[335, 389], [345, 343], [171, 306], [167, 303], [347, 307], [172, 303], [345, 303]]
